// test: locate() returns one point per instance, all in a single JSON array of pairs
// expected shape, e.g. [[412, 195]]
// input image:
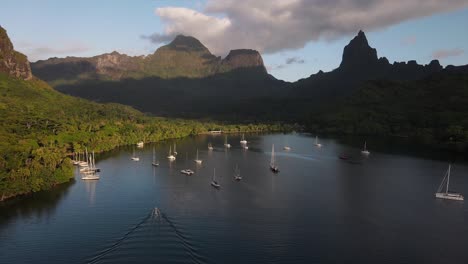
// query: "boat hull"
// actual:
[[450, 196]]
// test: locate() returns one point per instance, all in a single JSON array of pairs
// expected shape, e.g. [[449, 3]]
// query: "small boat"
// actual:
[[214, 183], [273, 167], [317, 144], [245, 146], [170, 156], [187, 172], [197, 160], [154, 163], [226, 144], [237, 175], [175, 151], [134, 157], [287, 148], [365, 151], [243, 141], [344, 157], [140, 144], [447, 195], [210, 147], [85, 156]]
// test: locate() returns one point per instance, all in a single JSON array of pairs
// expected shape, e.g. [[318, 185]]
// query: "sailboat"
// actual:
[[210, 147], [140, 144], [237, 175], [76, 159], [90, 173], [226, 144], [197, 160], [175, 151], [85, 157], [243, 141], [170, 156], [365, 151], [273, 166], [317, 144], [447, 195], [134, 157], [214, 183], [154, 163], [91, 168]]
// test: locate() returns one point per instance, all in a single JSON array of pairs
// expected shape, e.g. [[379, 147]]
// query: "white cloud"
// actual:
[[275, 25], [444, 53]]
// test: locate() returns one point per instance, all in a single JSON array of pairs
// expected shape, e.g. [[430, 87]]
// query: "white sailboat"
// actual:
[[365, 151], [134, 157], [243, 141], [175, 151], [214, 183], [85, 157], [154, 163], [210, 147], [91, 174], [273, 166], [226, 144], [170, 156], [91, 168], [447, 195], [140, 144], [237, 175], [317, 144], [197, 160]]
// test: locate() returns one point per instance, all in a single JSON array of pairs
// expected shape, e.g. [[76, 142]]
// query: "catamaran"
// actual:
[[210, 147], [187, 171], [226, 144], [134, 157], [170, 156], [317, 144], [154, 163], [447, 195], [197, 160], [237, 175], [214, 183], [365, 151], [243, 141], [273, 166]]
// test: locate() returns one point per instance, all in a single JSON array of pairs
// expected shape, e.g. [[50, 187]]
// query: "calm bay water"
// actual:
[[318, 209]]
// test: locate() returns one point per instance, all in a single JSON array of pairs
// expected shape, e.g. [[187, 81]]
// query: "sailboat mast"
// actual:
[[448, 179], [365, 145], [272, 154], [214, 174]]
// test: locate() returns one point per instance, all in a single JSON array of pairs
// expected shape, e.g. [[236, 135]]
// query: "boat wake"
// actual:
[[169, 233]]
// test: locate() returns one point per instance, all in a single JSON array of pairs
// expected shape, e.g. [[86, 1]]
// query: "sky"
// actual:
[[295, 37]]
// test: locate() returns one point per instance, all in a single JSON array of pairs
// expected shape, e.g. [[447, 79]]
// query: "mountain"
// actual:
[[433, 109], [12, 62], [185, 56], [359, 63], [181, 79]]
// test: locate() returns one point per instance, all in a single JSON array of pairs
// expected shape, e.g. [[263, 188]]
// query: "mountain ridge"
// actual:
[[185, 56]]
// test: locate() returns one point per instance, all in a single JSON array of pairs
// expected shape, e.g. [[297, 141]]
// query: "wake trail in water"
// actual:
[[155, 214]]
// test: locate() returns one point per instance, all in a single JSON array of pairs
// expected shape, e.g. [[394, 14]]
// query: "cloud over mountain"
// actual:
[[444, 53], [275, 25]]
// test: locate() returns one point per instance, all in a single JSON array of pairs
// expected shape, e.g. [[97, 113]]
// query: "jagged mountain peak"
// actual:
[[358, 53]]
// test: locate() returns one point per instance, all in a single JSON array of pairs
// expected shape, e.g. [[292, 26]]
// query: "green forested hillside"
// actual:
[[433, 109], [41, 126]]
